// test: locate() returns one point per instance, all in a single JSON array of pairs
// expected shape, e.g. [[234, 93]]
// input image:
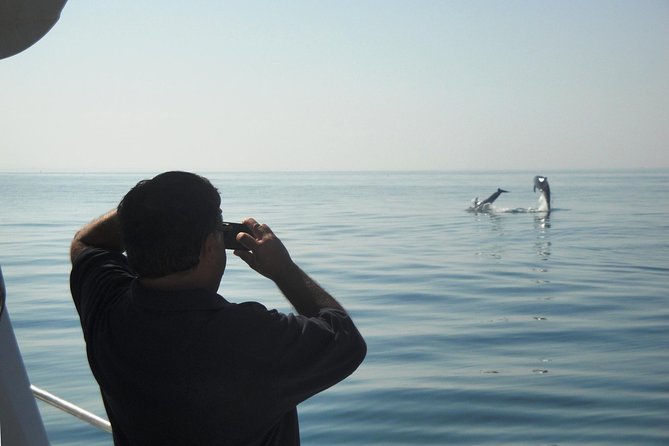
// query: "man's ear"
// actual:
[[210, 247]]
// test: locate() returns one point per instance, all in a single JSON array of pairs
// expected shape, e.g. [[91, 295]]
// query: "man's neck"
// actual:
[[183, 280]]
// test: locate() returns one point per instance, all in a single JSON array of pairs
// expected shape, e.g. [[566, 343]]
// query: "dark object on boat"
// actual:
[[24, 22]]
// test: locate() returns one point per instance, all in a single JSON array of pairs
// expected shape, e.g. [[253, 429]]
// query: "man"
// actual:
[[177, 364]]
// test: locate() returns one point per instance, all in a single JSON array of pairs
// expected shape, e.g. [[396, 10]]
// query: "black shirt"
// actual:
[[190, 368]]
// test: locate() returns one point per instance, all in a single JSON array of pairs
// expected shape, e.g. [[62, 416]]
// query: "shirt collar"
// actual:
[[194, 299]]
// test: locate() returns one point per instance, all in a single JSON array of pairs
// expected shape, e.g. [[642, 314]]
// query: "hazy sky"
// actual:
[[341, 85]]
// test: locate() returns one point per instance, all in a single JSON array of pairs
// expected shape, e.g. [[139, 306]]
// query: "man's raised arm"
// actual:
[[103, 232], [269, 257]]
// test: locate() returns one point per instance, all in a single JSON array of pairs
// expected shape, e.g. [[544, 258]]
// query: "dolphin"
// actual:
[[478, 205], [541, 183]]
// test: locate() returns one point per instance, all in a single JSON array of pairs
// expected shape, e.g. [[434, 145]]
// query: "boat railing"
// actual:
[[20, 419], [70, 408]]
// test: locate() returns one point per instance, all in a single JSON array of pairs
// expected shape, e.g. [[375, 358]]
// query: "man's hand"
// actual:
[[269, 257]]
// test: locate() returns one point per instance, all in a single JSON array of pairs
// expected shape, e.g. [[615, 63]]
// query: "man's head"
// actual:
[[166, 220]]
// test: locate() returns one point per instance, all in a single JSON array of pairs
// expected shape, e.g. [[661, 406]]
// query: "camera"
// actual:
[[230, 231]]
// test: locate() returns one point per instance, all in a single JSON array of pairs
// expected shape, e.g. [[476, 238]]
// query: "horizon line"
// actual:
[[454, 170]]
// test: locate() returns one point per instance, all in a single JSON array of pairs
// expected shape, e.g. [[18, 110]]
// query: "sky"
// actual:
[[211, 85]]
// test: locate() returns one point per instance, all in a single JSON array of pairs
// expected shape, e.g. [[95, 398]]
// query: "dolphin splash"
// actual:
[[541, 183], [481, 206]]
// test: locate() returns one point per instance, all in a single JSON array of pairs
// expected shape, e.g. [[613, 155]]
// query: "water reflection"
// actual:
[[494, 218], [542, 242], [542, 220]]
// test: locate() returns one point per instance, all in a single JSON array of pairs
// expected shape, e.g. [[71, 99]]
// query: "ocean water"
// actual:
[[500, 328]]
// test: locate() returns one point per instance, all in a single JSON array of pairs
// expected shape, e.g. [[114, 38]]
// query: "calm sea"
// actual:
[[505, 328]]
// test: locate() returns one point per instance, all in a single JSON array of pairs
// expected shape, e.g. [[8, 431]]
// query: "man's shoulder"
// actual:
[[94, 266], [94, 256], [256, 311]]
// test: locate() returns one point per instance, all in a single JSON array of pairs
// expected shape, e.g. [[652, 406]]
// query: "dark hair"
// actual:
[[165, 221]]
